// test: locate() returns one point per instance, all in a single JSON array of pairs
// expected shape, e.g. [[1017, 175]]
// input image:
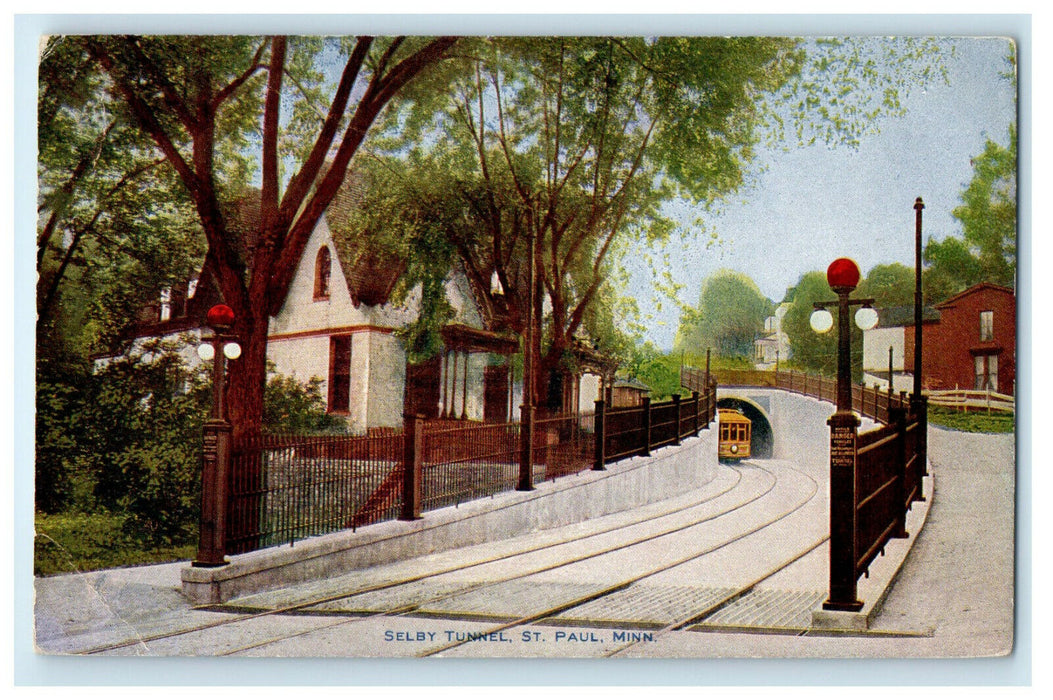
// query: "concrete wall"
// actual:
[[627, 484]]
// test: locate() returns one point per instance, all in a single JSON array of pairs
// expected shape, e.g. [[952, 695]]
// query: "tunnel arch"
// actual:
[[763, 439]]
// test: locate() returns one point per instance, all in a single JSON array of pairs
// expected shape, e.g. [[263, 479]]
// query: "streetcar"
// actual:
[[735, 432]]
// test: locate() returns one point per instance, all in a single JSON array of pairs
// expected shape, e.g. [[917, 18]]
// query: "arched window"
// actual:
[[322, 266]]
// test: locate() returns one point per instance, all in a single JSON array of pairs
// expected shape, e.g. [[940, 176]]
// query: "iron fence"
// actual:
[[284, 488], [463, 461]]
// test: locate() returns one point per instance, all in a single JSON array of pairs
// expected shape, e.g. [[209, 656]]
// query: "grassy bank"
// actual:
[[84, 542], [972, 421]]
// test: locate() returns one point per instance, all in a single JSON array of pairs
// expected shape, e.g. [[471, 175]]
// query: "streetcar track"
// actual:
[[412, 608], [568, 605], [247, 613]]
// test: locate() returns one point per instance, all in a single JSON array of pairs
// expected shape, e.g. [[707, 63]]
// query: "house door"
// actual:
[[986, 372], [495, 394]]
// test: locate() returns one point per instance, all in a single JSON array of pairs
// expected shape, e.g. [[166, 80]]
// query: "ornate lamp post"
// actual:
[[843, 276], [218, 348]]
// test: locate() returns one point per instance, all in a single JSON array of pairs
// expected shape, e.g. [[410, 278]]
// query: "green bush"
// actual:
[[127, 441], [293, 407], [85, 542]]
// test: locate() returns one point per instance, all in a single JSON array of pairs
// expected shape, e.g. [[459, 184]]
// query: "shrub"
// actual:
[[290, 406]]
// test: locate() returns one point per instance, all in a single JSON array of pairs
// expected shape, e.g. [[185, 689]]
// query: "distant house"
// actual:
[[969, 342], [773, 344], [889, 336], [629, 392]]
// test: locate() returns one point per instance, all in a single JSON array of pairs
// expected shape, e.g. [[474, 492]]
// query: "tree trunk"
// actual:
[[248, 376]]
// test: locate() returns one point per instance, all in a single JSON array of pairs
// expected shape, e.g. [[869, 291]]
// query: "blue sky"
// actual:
[[812, 205]]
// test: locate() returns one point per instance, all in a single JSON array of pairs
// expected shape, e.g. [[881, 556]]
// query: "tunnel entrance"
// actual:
[[763, 441]]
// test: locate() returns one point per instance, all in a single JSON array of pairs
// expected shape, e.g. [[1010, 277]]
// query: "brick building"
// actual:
[[969, 343], [973, 345]]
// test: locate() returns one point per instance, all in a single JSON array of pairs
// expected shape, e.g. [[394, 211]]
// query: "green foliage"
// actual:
[[292, 407], [730, 313], [810, 350], [75, 542], [988, 211], [659, 371], [889, 285], [972, 421], [987, 250], [121, 450]]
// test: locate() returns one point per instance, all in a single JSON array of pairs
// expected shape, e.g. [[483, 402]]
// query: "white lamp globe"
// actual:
[[206, 352], [821, 321], [232, 351], [866, 318]]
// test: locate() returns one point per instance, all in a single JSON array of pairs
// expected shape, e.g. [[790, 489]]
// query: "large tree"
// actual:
[[573, 144], [889, 285], [810, 350], [729, 316], [214, 110], [986, 251]]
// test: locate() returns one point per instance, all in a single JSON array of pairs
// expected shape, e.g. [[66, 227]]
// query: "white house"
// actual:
[[773, 345], [337, 323], [886, 338]]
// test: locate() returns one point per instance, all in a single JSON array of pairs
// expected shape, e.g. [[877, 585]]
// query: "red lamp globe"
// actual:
[[843, 272], [221, 316]]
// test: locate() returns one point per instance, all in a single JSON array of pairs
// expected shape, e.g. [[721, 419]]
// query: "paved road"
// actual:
[[956, 588]]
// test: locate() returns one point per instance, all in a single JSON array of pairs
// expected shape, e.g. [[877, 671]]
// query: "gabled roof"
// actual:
[[370, 271], [976, 288]]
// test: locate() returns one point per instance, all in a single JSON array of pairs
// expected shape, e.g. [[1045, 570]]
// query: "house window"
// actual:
[[986, 326], [340, 374], [322, 267]]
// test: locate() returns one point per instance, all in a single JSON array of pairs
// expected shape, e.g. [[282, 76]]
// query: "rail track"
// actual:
[[418, 605]]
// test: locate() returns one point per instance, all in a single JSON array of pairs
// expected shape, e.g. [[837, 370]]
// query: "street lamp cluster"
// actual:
[[843, 277]]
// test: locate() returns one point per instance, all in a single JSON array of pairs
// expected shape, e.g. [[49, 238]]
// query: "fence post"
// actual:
[[898, 418], [676, 410], [600, 437], [526, 447], [212, 534], [412, 458], [646, 425], [843, 513], [698, 405]]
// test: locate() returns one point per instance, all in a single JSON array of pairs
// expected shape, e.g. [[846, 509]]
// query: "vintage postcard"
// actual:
[[627, 343]]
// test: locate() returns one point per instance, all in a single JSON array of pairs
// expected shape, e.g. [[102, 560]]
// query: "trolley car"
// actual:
[[735, 432]]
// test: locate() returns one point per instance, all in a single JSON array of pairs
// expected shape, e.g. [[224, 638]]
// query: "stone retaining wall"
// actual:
[[627, 484]]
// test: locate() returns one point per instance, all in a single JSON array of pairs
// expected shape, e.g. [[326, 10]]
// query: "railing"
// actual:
[[636, 430], [284, 488], [969, 399], [463, 461], [287, 488]]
